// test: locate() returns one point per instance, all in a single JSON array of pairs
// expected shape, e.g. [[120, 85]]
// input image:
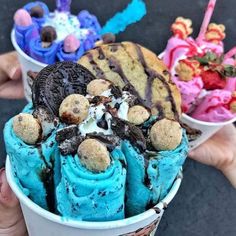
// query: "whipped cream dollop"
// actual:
[[99, 118], [65, 24]]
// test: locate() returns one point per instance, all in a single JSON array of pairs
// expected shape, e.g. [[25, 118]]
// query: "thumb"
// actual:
[[10, 65]]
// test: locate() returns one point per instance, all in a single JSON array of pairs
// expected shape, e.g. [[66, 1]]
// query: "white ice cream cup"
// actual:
[[41, 222], [27, 64], [207, 129]]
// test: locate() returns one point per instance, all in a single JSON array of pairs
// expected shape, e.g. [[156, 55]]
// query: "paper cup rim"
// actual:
[[85, 224], [22, 53], [205, 123]]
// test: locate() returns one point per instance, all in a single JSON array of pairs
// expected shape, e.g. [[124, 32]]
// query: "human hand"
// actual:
[[11, 218], [11, 85], [220, 152]]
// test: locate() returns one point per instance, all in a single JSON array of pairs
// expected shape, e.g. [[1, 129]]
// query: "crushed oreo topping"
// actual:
[[102, 123], [69, 140], [67, 133], [55, 82], [126, 130], [116, 92], [100, 99], [111, 141], [70, 146]]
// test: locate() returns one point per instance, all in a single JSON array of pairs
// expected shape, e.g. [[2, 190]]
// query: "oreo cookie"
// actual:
[[55, 82], [126, 130]]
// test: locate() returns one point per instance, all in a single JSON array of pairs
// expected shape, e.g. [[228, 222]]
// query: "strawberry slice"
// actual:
[[212, 80]]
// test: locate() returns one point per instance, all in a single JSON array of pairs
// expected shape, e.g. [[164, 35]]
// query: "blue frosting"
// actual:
[[89, 196], [147, 186], [28, 164], [45, 55], [134, 12]]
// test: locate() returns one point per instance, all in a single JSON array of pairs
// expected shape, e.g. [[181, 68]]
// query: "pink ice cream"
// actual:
[[178, 49], [71, 44], [190, 91], [212, 47], [22, 18], [197, 70], [215, 107]]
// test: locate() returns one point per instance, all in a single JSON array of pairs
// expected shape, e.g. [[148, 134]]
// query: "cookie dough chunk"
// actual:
[[74, 109], [166, 134], [94, 155], [98, 86], [138, 115], [27, 128]]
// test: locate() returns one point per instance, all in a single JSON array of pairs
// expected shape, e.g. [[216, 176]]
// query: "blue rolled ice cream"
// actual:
[[85, 195], [33, 164], [25, 29], [149, 179]]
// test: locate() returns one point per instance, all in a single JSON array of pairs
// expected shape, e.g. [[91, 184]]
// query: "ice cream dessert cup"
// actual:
[[118, 145], [204, 74], [41, 222], [41, 37]]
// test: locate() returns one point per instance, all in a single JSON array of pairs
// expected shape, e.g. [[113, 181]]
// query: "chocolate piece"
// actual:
[[126, 130], [100, 99], [67, 133], [70, 146], [111, 141], [56, 82], [108, 38], [37, 12], [48, 34], [102, 123], [116, 92]]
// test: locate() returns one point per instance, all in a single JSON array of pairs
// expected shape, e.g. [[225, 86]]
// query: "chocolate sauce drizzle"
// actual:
[[151, 75], [99, 72], [47, 177]]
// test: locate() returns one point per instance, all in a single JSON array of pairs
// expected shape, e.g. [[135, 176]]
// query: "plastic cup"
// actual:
[[207, 129], [41, 222], [27, 64]]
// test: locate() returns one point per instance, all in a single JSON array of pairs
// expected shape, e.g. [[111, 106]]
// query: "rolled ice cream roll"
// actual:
[[89, 196], [33, 165], [25, 29], [70, 49], [38, 11], [88, 20], [149, 178], [44, 55]]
